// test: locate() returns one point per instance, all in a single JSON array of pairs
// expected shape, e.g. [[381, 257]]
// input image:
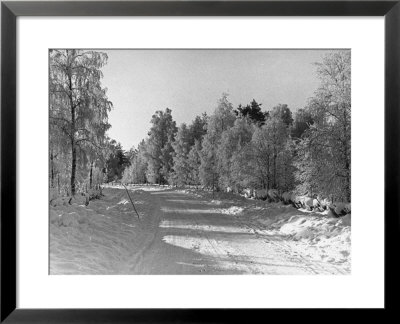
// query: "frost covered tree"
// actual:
[[59, 162], [268, 143], [79, 105], [278, 130], [197, 129], [283, 112], [136, 172], [194, 162], [302, 121], [285, 167], [324, 161], [181, 151], [159, 148], [233, 146], [222, 119], [262, 155]]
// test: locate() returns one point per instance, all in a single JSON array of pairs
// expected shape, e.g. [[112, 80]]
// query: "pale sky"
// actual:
[[190, 82]]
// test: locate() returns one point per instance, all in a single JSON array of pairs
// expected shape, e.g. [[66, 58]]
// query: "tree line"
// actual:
[[234, 148], [307, 151]]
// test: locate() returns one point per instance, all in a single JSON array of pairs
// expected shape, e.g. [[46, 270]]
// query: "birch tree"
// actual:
[[325, 150], [222, 119], [181, 151], [79, 105], [159, 149]]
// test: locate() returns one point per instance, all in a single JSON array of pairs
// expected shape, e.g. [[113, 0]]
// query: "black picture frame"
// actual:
[[9, 13]]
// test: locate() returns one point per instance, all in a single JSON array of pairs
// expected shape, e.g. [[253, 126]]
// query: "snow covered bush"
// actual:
[[248, 192]]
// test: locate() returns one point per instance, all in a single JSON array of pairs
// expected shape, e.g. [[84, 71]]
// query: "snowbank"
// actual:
[[314, 235], [234, 210], [94, 239]]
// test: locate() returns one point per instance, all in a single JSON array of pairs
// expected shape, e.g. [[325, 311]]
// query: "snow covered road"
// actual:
[[178, 233]]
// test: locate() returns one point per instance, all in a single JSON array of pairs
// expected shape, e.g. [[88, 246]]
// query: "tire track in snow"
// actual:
[[224, 252]]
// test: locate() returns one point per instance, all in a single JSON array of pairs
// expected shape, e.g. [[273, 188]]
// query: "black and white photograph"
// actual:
[[199, 161]]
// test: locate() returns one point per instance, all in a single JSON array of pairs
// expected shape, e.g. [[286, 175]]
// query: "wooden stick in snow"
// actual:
[[131, 201]]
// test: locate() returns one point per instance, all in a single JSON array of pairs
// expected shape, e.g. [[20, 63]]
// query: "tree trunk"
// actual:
[[346, 157], [347, 179], [213, 186], [52, 169], [73, 169], [268, 174], [91, 175], [274, 175], [72, 135]]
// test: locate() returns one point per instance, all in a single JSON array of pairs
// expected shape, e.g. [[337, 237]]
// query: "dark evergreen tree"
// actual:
[[116, 162], [253, 112]]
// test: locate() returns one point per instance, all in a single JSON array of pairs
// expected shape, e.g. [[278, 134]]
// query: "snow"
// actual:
[[308, 202], [314, 235], [123, 202], [233, 210], [317, 236], [226, 232], [92, 239]]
